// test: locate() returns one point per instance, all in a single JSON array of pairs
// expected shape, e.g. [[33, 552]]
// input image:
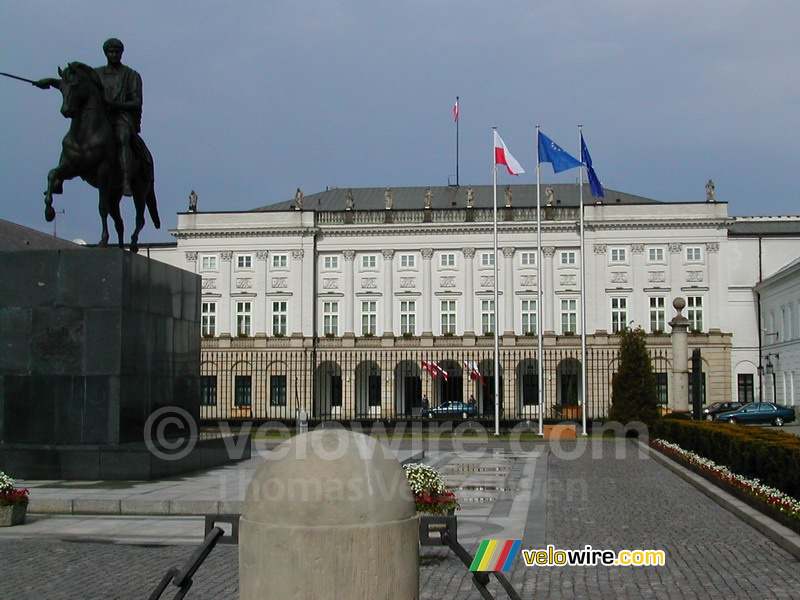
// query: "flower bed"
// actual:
[[430, 493], [13, 502], [774, 503], [10, 495]]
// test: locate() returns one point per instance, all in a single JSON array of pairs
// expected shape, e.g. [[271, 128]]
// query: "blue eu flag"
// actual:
[[551, 152], [594, 182]]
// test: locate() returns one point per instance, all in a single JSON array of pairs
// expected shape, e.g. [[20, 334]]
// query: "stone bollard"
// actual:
[[331, 516]]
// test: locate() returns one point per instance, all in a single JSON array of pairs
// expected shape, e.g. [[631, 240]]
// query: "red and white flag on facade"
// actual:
[[455, 111], [503, 157], [474, 372], [434, 369]]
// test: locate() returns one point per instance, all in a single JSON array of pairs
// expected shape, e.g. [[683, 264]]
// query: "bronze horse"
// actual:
[[89, 150]]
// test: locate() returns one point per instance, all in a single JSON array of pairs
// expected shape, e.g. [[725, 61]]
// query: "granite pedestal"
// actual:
[[95, 344]]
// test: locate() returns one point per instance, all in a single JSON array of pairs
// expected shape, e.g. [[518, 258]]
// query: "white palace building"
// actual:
[[332, 302]]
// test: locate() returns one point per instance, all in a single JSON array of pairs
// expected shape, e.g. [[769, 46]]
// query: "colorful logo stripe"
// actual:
[[495, 555]]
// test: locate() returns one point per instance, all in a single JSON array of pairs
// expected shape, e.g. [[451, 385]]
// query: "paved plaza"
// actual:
[[609, 494]]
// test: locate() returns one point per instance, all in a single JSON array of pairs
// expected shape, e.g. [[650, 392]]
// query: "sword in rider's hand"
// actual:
[[31, 81]]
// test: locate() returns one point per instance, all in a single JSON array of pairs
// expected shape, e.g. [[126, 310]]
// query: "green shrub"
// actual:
[[765, 454]]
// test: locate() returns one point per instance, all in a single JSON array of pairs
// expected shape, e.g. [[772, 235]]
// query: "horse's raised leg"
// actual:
[[55, 185]]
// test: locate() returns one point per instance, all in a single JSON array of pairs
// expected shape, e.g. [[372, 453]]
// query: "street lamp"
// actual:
[[770, 370]]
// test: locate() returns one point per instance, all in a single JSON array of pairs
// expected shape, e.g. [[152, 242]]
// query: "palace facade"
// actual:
[[332, 302]]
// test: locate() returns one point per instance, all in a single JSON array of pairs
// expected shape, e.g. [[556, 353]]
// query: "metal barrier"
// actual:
[[445, 529], [182, 579]]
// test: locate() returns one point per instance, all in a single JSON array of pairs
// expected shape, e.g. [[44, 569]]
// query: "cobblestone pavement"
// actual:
[[592, 497]]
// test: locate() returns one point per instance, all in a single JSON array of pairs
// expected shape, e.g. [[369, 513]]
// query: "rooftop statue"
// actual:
[[103, 145]]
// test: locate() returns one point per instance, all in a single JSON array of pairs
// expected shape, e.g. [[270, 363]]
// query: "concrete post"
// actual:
[[679, 398], [331, 516]]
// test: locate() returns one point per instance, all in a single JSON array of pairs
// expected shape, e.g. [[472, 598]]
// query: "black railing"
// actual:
[[381, 384]]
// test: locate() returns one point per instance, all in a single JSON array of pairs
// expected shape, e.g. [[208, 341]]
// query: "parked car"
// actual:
[[719, 407], [451, 409], [758, 412]]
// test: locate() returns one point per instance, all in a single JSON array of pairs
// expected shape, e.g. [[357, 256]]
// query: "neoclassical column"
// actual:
[[599, 319], [548, 290], [715, 288], [508, 290], [388, 292], [349, 296], [304, 290], [469, 293], [226, 304], [675, 267], [637, 310], [260, 279], [427, 291]]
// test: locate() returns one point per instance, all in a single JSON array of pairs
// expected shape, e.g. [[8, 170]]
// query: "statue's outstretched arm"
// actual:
[[48, 82]]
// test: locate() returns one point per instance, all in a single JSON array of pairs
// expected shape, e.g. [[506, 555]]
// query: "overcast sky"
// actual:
[[246, 101]]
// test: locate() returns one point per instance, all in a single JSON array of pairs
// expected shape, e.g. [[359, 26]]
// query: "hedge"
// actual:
[[771, 456]]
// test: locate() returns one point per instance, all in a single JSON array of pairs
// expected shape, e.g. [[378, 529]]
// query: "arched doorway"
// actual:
[[407, 389], [328, 391]]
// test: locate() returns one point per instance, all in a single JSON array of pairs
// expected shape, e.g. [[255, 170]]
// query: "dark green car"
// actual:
[[759, 412]]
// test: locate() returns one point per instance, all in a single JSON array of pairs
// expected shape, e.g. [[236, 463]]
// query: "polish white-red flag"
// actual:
[[503, 157], [434, 369], [474, 372], [455, 112]]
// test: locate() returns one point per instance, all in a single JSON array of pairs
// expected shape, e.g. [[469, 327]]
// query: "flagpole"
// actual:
[[583, 289], [539, 295], [458, 110], [496, 305]]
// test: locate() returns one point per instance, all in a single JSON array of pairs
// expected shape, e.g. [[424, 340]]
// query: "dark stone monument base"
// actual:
[[123, 462], [99, 350]]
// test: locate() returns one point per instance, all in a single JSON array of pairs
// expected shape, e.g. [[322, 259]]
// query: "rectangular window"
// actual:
[[567, 257], [369, 261], [694, 312], [448, 317], [487, 259], [529, 317], [662, 391], [408, 317], [208, 319], [569, 316], [244, 318], [487, 317], [408, 261], [279, 261], [331, 262], [208, 390], [208, 263], [330, 318], [279, 312], [369, 317], [277, 390], [658, 315], [746, 387], [527, 259], [447, 260], [243, 390], [619, 314], [244, 261], [655, 255], [619, 255], [694, 254]]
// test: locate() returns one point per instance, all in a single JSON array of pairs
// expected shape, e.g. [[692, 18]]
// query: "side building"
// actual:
[[354, 304]]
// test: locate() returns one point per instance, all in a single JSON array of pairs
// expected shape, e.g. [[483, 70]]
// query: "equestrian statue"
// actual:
[[103, 146]]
